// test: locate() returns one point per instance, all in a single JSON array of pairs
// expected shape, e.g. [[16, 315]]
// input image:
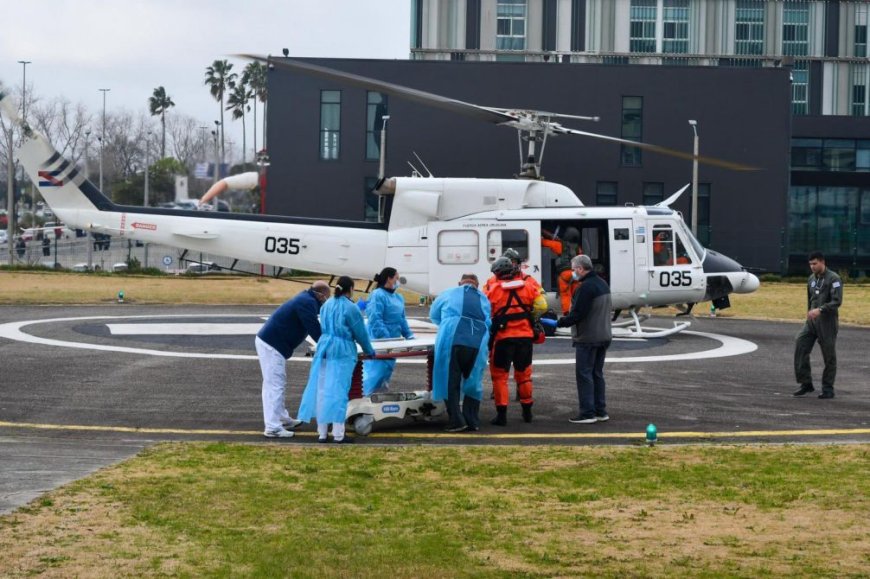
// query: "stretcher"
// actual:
[[364, 411]]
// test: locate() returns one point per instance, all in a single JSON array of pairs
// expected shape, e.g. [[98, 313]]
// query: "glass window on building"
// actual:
[[861, 30], [862, 155], [795, 27], [511, 25], [632, 128], [800, 82], [605, 193], [824, 219], [330, 124], [675, 26], [642, 31], [806, 154], [653, 193], [802, 219], [372, 200], [859, 90], [749, 27], [838, 155], [376, 110]]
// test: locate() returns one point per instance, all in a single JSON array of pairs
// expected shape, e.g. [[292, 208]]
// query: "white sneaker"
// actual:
[[278, 433], [602, 418], [292, 423]]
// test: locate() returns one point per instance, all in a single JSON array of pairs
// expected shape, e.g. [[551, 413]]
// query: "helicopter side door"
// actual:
[[621, 257], [462, 247]]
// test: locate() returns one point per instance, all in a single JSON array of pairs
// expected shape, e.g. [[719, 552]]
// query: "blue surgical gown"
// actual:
[[386, 314], [463, 318], [325, 395]]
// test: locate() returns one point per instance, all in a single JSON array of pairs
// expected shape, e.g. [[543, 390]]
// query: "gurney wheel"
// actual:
[[363, 423]]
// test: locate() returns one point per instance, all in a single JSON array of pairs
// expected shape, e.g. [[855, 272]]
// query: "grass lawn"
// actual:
[[780, 301], [287, 510]]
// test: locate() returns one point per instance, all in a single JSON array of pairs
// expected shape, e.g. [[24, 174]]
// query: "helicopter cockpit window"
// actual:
[[499, 241], [459, 247], [663, 245], [683, 256]]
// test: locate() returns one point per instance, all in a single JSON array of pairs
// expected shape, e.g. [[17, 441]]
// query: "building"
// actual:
[[829, 194], [763, 80]]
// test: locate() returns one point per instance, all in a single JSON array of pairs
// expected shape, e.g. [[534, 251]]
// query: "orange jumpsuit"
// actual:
[[567, 286], [517, 298]]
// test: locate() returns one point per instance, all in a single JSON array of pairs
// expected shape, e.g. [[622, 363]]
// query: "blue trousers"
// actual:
[[590, 378]]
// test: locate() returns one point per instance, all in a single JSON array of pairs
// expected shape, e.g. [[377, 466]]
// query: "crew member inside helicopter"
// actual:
[[565, 247]]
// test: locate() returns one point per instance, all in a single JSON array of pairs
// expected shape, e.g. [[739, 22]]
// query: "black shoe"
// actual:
[[527, 412], [826, 394], [803, 390], [456, 428], [500, 418], [579, 419]]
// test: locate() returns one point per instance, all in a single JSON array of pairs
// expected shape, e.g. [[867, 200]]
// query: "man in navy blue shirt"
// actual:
[[280, 335]]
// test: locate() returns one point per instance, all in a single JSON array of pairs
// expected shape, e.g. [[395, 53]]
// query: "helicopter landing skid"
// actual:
[[633, 330]]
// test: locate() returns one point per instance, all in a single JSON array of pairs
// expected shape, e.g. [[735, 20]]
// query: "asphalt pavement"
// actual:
[[85, 386]]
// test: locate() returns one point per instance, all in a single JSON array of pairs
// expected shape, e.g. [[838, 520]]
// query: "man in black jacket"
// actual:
[[590, 321]]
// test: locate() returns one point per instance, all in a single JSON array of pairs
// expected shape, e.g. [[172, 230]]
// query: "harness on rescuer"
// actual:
[[503, 315]]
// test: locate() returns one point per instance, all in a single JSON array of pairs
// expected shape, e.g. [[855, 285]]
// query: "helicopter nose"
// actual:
[[724, 276]]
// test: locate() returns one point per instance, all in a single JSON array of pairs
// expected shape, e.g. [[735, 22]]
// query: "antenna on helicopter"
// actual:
[[424, 164]]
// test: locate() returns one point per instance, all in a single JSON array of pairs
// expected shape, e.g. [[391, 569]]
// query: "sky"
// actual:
[[77, 47]]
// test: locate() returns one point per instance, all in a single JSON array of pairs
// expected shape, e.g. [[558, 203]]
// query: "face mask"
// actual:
[[575, 276], [397, 285]]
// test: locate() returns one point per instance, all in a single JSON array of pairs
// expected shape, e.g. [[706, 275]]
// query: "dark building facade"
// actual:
[[323, 139]]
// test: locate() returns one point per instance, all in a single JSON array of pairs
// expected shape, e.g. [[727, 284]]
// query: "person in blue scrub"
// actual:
[[325, 395], [386, 315], [463, 318]]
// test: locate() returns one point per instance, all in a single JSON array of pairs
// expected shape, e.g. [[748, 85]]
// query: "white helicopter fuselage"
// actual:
[[439, 228]]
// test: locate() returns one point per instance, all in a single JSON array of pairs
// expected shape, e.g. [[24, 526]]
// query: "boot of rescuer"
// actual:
[[527, 412], [501, 416]]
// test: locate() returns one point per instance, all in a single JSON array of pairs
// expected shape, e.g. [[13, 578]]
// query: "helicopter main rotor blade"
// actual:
[[658, 149], [419, 96]]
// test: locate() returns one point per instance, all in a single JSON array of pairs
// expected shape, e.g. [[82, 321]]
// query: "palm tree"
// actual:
[[158, 104], [237, 102], [219, 79], [255, 77]]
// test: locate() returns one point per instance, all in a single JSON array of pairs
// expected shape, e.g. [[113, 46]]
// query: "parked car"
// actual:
[[4, 237], [81, 267], [200, 268], [120, 267], [102, 241]]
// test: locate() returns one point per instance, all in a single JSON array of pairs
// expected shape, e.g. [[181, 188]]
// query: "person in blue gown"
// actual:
[[325, 395], [385, 311], [463, 318]]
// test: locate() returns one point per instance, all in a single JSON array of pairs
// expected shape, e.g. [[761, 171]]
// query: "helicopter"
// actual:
[[439, 227]]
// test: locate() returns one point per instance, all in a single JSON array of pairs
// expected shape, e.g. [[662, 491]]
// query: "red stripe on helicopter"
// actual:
[[148, 226], [49, 179]]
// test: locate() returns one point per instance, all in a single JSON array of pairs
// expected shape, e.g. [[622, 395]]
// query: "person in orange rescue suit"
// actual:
[[516, 301], [513, 255], [565, 248]]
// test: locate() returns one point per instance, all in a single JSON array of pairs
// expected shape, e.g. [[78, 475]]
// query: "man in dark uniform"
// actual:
[[824, 296]]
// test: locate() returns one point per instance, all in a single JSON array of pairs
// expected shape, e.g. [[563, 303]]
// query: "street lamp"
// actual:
[[24, 64], [694, 125], [88, 176], [218, 157], [103, 135], [215, 134], [147, 152]]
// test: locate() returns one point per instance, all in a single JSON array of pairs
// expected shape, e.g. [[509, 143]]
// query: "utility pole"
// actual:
[[103, 136], [88, 241], [147, 151], [24, 64]]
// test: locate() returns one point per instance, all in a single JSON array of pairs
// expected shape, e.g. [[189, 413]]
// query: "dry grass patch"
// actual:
[[228, 510]]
